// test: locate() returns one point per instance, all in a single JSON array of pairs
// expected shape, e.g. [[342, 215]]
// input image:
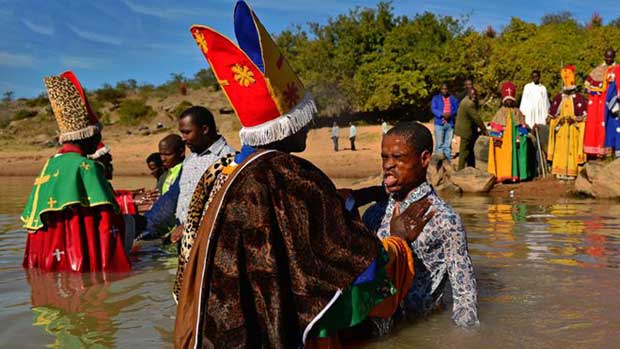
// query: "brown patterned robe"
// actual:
[[276, 244]]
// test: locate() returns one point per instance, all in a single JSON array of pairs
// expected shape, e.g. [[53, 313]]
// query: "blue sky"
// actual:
[[111, 40]]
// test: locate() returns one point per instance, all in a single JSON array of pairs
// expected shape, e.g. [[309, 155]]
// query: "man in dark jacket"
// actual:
[[469, 126]]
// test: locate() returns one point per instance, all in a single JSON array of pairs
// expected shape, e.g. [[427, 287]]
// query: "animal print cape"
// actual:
[[275, 248]]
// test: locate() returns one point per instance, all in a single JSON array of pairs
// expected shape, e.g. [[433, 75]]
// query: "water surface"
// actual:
[[548, 277]]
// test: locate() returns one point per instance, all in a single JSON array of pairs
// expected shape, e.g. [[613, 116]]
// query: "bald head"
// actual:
[[172, 142], [171, 150]]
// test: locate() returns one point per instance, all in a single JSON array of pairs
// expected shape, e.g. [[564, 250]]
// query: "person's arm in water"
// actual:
[[162, 216], [461, 275]]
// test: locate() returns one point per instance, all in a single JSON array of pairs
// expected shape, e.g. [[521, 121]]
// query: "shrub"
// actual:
[[133, 111], [110, 94], [181, 108], [183, 89], [24, 114], [39, 101]]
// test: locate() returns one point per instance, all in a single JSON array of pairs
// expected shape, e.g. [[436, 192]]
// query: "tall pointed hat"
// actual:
[[568, 77], [268, 98], [73, 113]]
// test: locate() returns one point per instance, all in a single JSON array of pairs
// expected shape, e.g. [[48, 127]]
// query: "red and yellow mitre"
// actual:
[[73, 113], [568, 77], [265, 93]]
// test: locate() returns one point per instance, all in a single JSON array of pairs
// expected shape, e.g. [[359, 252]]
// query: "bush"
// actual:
[[181, 108], [110, 94], [24, 114], [133, 111], [39, 101]]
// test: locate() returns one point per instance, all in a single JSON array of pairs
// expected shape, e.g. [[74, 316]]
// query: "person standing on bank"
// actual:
[[468, 126], [468, 84], [352, 135], [535, 101], [335, 132], [444, 107]]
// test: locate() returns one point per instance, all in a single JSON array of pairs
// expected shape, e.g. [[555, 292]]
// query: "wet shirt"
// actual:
[[441, 256]]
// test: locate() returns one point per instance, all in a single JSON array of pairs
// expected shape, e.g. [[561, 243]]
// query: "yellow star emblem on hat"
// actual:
[[200, 40], [243, 75]]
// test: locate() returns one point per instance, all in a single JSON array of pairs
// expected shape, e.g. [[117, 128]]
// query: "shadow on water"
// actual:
[[547, 276]]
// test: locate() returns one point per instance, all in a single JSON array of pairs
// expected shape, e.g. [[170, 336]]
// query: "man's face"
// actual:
[[170, 157], [469, 84], [610, 56], [154, 169], [444, 90], [194, 136], [536, 78], [473, 95], [510, 103], [403, 168]]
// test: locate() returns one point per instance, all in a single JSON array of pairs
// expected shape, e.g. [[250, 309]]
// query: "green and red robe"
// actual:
[[72, 218]]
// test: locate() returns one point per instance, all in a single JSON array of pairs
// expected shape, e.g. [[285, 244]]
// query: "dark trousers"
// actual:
[[352, 139], [467, 157], [335, 140]]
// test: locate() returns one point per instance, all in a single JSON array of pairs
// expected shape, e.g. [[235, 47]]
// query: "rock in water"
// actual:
[[592, 169], [481, 152], [439, 170], [606, 183], [583, 186], [473, 180]]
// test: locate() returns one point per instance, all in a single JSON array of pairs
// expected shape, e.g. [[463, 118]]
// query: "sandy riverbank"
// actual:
[[351, 168], [129, 152]]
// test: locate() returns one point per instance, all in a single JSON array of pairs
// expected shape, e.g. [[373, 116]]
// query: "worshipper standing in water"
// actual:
[[172, 153], [335, 133], [535, 101], [156, 169], [72, 217], [468, 126], [440, 252], [566, 128], [509, 148], [596, 85], [352, 135], [278, 261], [444, 107], [206, 146]]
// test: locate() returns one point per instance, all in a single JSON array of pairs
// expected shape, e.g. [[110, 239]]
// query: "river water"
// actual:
[[548, 277]]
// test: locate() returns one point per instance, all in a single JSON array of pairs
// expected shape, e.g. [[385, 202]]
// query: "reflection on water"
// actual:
[[548, 277]]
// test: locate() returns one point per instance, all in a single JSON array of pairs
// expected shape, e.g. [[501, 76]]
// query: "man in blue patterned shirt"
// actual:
[[440, 251]]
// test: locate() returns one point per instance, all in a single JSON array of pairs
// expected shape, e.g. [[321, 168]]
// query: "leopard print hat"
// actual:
[[73, 114]]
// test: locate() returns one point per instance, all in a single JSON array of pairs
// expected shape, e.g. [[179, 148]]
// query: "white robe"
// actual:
[[534, 104]]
